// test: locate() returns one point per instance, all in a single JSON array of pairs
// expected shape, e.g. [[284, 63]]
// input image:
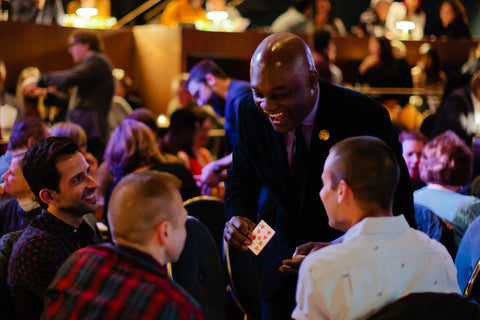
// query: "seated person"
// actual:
[[12, 109], [372, 21], [453, 21], [459, 112], [446, 166], [410, 10], [296, 19], [382, 69], [324, 53], [58, 175], [25, 132], [133, 148], [178, 140], [381, 259], [325, 19], [21, 207], [181, 97], [148, 229], [412, 145], [202, 155]]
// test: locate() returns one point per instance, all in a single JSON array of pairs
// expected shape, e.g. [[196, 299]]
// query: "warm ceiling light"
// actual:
[[87, 12], [217, 15]]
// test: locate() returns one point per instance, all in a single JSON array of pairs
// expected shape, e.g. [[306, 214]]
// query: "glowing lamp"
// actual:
[[163, 121], [217, 16], [405, 26], [87, 8]]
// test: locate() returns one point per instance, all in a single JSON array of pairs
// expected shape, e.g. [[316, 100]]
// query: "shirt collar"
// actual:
[[141, 256], [310, 118], [377, 225]]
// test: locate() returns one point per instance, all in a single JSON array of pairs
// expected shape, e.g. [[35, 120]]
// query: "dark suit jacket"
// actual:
[[457, 115], [260, 158]]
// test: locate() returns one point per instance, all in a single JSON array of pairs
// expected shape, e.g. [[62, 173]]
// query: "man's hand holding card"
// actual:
[[261, 236]]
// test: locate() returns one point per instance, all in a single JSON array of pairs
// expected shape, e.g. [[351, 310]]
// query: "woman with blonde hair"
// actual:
[[32, 106]]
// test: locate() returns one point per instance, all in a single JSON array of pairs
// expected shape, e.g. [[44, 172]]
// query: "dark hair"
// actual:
[[146, 116], [369, 167], [386, 53], [182, 119], [321, 38], [301, 5], [420, 7], [434, 70], [24, 129], [200, 70], [40, 163], [458, 9], [412, 135], [446, 160], [88, 37]]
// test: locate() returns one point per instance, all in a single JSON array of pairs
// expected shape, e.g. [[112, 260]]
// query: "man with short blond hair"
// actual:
[[128, 277]]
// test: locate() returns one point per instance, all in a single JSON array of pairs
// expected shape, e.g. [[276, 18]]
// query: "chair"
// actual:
[[436, 228], [467, 258], [199, 270], [6, 244], [244, 271], [473, 286], [210, 211], [430, 305]]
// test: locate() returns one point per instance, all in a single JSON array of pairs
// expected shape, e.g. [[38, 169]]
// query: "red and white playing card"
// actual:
[[261, 236]]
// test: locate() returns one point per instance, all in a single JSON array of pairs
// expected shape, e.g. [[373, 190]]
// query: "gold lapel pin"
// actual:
[[324, 135]]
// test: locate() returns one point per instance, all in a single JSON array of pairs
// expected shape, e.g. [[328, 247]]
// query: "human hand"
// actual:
[[291, 266], [210, 178], [30, 88], [238, 232], [3, 194]]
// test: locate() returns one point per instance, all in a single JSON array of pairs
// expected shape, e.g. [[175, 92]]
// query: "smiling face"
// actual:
[[284, 89], [77, 187]]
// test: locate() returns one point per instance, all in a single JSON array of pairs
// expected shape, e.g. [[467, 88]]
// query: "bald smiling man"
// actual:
[[287, 97]]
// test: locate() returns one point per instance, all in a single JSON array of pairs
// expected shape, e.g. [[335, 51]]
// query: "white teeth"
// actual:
[[90, 197], [274, 115]]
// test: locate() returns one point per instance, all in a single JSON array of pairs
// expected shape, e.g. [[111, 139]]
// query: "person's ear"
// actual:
[[313, 78], [30, 141], [163, 232], [48, 196], [211, 80], [343, 191]]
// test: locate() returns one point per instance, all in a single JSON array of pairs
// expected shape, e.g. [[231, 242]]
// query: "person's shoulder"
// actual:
[[346, 98]]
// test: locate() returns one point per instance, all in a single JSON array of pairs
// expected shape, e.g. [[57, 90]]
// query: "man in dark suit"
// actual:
[[287, 92], [460, 110]]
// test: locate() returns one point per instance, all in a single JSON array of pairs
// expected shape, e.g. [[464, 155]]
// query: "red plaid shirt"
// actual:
[[112, 282]]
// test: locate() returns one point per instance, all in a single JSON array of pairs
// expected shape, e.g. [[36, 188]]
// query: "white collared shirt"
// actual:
[[379, 261]]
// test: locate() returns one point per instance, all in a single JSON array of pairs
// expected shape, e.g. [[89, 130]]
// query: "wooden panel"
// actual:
[[153, 54], [158, 61]]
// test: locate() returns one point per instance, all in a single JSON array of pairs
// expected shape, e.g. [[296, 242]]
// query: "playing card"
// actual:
[[261, 236]]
